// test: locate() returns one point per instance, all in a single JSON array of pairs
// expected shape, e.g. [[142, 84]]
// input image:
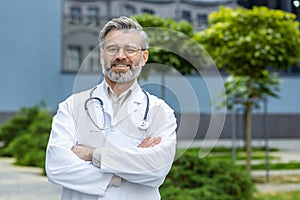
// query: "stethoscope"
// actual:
[[144, 125]]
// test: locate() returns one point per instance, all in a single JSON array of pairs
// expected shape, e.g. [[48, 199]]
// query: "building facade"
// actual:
[[44, 42], [83, 19]]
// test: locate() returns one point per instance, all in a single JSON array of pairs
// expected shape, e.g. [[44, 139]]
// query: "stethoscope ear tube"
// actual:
[[87, 110], [144, 125], [92, 98]]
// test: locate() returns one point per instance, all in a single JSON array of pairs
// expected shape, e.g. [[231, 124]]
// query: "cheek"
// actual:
[[105, 61]]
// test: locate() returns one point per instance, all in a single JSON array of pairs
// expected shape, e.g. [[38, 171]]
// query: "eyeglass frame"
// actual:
[[124, 50]]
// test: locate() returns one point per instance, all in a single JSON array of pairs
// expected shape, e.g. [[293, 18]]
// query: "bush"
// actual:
[[27, 140], [18, 124], [192, 178]]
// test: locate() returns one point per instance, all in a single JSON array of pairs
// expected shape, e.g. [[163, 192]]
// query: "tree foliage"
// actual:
[[247, 42], [236, 89], [171, 42]]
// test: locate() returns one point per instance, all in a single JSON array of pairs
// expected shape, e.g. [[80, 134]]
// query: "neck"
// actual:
[[118, 88]]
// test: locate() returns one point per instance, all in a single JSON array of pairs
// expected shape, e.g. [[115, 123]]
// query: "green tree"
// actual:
[[170, 42], [246, 42], [171, 48]]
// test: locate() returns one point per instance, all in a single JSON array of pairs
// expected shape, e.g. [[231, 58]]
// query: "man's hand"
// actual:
[[83, 152], [150, 142]]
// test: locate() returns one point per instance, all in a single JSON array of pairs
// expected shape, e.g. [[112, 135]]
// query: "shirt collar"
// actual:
[[109, 92]]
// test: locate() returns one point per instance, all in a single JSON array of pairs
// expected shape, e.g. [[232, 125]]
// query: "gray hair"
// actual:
[[124, 24]]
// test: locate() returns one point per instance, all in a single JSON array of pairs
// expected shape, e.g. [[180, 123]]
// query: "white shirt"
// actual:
[[142, 170], [117, 101]]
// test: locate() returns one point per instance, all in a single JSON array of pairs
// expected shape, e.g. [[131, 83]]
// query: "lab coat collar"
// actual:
[[137, 97]]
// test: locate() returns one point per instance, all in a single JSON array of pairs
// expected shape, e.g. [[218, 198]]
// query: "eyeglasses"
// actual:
[[129, 51]]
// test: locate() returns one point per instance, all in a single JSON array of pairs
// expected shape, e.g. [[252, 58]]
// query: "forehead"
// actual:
[[122, 37]]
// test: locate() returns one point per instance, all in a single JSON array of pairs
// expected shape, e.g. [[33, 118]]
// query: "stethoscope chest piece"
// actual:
[[144, 125]]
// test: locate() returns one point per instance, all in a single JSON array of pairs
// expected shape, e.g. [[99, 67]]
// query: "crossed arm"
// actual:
[[86, 152]]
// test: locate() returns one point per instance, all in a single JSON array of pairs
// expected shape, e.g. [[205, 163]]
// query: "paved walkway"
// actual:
[[270, 187], [27, 183]]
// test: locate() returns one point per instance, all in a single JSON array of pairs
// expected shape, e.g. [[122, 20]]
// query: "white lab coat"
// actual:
[[142, 170]]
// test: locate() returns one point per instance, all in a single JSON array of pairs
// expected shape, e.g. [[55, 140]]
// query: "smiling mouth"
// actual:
[[119, 68], [121, 65]]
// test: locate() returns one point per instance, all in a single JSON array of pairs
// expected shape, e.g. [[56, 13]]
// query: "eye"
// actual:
[[112, 49], [130, 49]]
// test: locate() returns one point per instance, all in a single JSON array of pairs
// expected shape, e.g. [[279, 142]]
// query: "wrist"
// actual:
[[96, 157]]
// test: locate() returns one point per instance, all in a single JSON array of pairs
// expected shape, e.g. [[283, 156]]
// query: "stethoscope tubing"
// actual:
[[144, 125]]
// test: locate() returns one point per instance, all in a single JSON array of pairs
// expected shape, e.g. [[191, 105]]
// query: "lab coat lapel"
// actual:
[[130, 105]]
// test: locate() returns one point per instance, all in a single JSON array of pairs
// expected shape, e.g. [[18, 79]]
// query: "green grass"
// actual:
[[258, 153], [293, 195], [277, 166], [242, 156], [242, 149]]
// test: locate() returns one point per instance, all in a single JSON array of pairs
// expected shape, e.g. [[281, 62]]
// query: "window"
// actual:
[[296, 8], [202, 21], [93, 15], [94, 59], [75, 14], [73, 58], [130, 10], [186, 15], [147, 10], [80, 31]]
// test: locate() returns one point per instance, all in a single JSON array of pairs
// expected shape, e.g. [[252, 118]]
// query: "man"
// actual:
[[114, 141]]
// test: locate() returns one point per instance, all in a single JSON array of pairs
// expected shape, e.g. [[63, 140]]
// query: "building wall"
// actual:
[[30, 64], [31, 68]]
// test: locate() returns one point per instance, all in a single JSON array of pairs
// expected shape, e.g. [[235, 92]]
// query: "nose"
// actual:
[[121, 54]]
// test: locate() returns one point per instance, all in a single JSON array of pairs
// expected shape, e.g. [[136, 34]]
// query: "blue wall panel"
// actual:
[[30, 64]]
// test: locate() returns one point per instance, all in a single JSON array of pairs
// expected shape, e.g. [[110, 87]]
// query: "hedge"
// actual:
[[192, 178]]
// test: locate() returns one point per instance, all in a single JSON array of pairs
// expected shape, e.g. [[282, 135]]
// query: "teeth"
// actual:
[[122, 65]]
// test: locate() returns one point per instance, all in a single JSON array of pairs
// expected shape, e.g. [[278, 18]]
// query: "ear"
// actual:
[[145, 57], [101, 56]]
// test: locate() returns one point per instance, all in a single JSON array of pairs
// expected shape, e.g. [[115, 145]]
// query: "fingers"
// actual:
[[149, 142], [83, 152]]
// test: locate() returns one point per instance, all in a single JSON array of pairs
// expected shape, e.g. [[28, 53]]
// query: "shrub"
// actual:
[[26, 136], [29, 148], [192, 178], [18, 124]]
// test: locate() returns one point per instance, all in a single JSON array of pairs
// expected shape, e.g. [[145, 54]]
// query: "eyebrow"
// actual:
[[126, 45]]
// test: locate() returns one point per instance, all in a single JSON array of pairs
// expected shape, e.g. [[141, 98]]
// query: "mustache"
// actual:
[[121, 63], [110, 65]]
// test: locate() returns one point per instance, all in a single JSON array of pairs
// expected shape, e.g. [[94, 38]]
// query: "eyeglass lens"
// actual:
[[128, 50]]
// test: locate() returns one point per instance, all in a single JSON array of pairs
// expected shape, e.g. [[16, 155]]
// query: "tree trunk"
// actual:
[[249, 124], [248, 135]]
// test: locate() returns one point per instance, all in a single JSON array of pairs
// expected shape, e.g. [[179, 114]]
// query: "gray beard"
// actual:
[[132, 74]]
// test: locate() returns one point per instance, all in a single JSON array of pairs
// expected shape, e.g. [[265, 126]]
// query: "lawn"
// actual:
[[258, 154], [293, 195]]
